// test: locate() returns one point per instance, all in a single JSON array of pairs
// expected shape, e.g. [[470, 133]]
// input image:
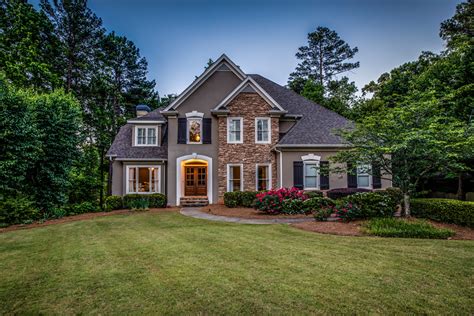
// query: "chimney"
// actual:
[[142, 109]]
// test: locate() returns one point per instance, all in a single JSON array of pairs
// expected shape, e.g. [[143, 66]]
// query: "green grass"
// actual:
[[167, 263], [394, 227]]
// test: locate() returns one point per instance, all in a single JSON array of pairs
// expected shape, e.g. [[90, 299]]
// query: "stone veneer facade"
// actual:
[[248, 106]]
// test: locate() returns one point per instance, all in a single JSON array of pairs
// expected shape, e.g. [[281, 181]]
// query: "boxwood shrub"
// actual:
[[240, 199], [444, 210], [343, 192], [153, 200], [113, 202]]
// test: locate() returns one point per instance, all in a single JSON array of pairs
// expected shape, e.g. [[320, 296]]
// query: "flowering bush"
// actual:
[[271, 201], [292, 206], [346, 211], [343, 192]]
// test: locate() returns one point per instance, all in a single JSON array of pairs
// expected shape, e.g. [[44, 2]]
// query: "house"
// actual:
[[230, 131]]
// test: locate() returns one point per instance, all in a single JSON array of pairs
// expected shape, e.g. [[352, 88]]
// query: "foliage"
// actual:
[[444, 210], [395, 195], [323, 213], [292, 206], [370, 204], [17, 210], [460, 28], [346, 211], [113, 202], [271, 201], [343, 192], [321, 207], [139, 204], [57, 118], [154, 200], [240, 199], [392, 227], [313, 194], [85, 185], [82, 208]]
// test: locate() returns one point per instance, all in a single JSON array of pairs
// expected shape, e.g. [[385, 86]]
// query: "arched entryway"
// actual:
[[193, 176]]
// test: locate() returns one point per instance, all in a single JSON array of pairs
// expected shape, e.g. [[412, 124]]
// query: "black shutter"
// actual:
[[206, 130], [351, 176], [376, 180], [324, 175], [298, 174], [182, 130]]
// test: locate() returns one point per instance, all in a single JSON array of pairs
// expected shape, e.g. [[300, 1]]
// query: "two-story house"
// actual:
[[230, 131]]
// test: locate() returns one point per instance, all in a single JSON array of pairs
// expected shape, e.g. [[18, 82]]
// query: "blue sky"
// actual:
[[178, 37]]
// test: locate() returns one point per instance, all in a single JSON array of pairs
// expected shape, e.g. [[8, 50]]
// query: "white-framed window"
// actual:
[[364, 179], [235, 176], [263, 177], [194, 130], [235, 134], [143, 179], [262, 130], [146, 135], [311, 175]]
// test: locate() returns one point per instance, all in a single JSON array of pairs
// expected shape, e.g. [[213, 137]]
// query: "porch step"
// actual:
[[194, 201]]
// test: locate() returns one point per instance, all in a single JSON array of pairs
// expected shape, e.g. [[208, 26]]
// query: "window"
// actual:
[[234, 178], [146, 135], [363, 176], [263, 177], [311, 173], [143, 179], [262, 130], [194, 130], [234, 130]]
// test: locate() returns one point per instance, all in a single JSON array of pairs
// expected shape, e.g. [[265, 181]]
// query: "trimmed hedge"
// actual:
[[240, 199], [153, 200], [343, 192], [313, 194], [113, 202], [444, 210]]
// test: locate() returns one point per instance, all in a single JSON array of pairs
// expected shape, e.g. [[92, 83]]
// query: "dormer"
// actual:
[[147, 127]]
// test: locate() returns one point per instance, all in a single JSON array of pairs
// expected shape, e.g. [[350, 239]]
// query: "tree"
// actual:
[[325, 56], [410, 143], [313, 91], [459, 28], [28, 47]]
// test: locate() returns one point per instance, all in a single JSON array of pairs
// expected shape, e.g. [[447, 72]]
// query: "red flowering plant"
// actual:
[[346, 211], [271, 201]]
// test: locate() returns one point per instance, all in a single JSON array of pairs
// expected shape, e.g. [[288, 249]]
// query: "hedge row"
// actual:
[[240, 199], [444, 210], [130, 201]]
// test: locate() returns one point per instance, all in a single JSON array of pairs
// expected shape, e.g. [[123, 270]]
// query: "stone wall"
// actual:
[[248, 106]]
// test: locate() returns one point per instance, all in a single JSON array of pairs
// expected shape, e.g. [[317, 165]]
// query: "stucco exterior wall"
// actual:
[[203, 100], [336, 180]]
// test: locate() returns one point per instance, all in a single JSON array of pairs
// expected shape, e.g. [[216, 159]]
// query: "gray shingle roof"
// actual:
[[317, 124], [122, 147], [154, 115]]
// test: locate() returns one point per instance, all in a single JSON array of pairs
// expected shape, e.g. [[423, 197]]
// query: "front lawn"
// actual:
[[168, 263]]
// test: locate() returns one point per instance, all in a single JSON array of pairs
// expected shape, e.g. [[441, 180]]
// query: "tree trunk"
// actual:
[[460, 192], [406, 202]]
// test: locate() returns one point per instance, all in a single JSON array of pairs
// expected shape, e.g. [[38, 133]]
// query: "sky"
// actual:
[[262, 36]]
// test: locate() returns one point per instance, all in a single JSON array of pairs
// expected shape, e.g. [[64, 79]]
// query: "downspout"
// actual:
[[280, 167]]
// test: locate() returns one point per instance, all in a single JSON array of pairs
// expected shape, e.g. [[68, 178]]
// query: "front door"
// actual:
[[195, 181]]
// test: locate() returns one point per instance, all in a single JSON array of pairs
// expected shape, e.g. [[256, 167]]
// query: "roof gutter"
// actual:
[[311, 145]]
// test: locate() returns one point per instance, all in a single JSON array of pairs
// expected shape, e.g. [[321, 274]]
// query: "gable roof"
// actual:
[[249, 82], [316, 125], [153, 117], [223, 60]]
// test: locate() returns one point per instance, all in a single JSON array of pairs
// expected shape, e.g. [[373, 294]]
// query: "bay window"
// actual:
[[143, 179]]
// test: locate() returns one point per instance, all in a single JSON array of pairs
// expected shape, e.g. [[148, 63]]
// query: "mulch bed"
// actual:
[[353, 229], [243, 212], [82, 217]]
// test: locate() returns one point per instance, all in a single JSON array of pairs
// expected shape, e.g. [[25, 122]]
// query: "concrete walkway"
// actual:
[[196, 213]]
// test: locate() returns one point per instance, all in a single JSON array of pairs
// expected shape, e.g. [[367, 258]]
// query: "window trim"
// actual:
[[146, 127], [195, 118], [229, 165], [318, 176], [127, 177], [364, 174], [269, 165], [268, 119], [241, 120]]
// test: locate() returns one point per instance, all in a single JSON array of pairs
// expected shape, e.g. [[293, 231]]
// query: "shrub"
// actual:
[[444, 210], [315, 203], [231, 199], [154, 200], [81, 208], [247, 198], [313, 194], [292, 206], [392, 227], [17, 210], [395, 195], [139, 204], [243, 199], [346, 211], [58, 212], [271, 201], [323, 213], [343, 192], [113, 202], [371, 204]]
